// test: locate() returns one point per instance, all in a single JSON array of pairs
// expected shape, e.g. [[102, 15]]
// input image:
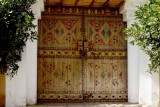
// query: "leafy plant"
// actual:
[[16, 28], [146, 32]]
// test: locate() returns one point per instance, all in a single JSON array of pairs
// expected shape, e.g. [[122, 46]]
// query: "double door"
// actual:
[[81, 58]]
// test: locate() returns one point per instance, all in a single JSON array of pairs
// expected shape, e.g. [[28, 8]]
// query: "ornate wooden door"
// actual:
[[81, 58], [59, 63], [105, 71]]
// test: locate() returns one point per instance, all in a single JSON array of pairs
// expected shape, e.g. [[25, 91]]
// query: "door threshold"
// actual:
[[88, 104]]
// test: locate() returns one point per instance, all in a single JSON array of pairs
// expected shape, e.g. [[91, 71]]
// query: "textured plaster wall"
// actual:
[[22, 89], [32, 58], [139, 81]]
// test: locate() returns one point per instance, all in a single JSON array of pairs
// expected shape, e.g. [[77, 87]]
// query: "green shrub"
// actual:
[[146, 32], [16, 28]]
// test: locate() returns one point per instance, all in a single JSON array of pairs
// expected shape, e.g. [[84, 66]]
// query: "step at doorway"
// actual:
[[86, 105]]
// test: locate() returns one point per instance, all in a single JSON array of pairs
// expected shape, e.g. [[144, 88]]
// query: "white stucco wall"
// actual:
[[16, 87], [145, 83], [149, 83], [127, 10], [31, 82], [143, 88], [139, 81], [22, 89]]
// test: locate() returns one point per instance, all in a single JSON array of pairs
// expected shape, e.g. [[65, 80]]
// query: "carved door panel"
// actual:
[[106, 63], [81, 58], [59, 64]]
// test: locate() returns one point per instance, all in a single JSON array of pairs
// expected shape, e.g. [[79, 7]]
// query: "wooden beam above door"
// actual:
[[86, 3]]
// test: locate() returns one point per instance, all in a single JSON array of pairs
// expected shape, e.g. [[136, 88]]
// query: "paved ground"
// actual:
[[85, 105]]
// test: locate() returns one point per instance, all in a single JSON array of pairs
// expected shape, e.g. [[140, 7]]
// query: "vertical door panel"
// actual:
[[59, 64], [105, 80], [59, 79], [105, 71]]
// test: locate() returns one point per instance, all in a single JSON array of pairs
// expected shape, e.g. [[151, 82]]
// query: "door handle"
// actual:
[[83, 47]]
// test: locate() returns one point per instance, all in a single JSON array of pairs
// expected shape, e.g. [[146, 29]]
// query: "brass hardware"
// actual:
[[86, 47], [83, 47], [80, 45], [85, 50]]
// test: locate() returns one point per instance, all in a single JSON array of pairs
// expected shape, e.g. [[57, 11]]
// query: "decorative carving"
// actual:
[[67, 75], [81, 11]]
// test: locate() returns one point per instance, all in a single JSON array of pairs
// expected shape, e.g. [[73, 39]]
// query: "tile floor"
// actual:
[[86, 105]]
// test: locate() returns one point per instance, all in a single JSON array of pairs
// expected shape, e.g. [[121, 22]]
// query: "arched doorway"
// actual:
[[81, 55]]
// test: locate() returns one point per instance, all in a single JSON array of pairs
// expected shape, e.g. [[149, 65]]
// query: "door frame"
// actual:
[[58, 11]]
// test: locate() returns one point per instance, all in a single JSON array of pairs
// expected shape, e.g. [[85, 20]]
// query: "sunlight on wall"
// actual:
[[145, 83]]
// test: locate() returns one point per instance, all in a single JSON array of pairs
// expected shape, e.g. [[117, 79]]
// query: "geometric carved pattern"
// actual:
[[60, 31], [81, 10], [105, 80], [105, 71], [110, 54], [105, 33], [64, 75], [58, 79]]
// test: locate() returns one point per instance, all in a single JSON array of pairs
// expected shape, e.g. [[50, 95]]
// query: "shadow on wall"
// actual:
[[2, 90]]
